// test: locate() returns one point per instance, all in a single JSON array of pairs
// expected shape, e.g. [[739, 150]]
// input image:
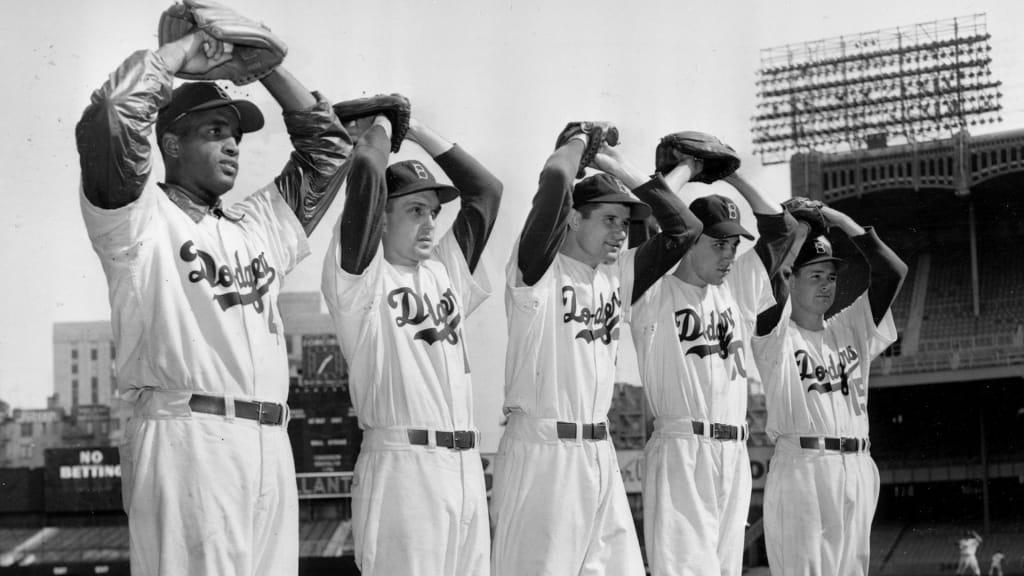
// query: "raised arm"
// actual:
[[113, 134], [887, 269], [362, 218], [313, 175], [679, 228], [775, 227], [480, 191], [545, 226]]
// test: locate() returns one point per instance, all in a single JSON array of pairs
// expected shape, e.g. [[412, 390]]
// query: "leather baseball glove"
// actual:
[[257, 51], [719, 159], [596, 133], [395, 106], [807, 210]]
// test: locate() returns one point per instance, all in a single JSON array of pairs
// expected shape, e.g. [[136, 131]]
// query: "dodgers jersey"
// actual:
[[816, 382], [563, 339], [400, 330], [193, 304], [690, 342]]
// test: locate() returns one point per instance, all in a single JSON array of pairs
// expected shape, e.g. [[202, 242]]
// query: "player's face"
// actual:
[[409, 225], [711, 258], [208, 153], [813, 288], [602, 234]]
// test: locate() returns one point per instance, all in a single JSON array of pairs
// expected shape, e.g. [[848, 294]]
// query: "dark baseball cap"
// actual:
[[199, 96], [607, 189], [720, 216], [815, 250], [411, 176]]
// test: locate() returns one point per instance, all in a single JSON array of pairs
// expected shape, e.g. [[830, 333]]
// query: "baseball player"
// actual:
[[558, 503], [691, 330], [996, 566], [822, 484], [399, 293], [207, 472], [968, 547]]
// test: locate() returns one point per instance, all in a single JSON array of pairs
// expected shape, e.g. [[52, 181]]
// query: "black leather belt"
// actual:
[[457, 440], [567, 431], [266, 413], [843, 444], [720, 431]]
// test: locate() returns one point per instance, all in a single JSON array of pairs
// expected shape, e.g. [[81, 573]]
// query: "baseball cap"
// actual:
[[411, 176], [199, 96], [720, 216], [607, 189], [815, 250]]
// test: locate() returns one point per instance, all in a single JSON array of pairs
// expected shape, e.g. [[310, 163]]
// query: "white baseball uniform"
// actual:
[[968, 563], [559, 506], [417, 509], [819, 503], [193, 300], [690, 343], [822, 485]]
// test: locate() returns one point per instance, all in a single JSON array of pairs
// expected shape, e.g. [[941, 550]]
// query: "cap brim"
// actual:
[[637, 209], [839, 262], [727, 229], [445, 193], [250, 119]]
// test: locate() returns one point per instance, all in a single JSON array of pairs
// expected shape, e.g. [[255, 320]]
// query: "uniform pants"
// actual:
[[559, 507], [418, 510], [818, 507], [207, 495], [696, 502]]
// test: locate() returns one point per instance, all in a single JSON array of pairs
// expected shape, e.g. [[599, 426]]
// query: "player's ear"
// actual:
[[170, 144], [574, 219]]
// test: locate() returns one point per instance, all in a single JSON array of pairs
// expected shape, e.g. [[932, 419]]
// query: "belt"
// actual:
[[720, 431], [834, 444], [567, 431], [457, 440], [266, 413]]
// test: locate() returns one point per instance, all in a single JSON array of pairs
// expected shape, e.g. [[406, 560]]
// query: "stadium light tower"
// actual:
[[914, 82]]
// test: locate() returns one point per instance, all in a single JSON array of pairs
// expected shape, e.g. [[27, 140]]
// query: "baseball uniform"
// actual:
[[558, 504], [822, 484], [968, 563], [691, 351], [207, 472], [419, 504]]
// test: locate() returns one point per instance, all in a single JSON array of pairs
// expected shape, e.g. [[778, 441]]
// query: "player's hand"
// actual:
[[694, 164], [608, 160], [203, 52], [415, 131], [357, 127]]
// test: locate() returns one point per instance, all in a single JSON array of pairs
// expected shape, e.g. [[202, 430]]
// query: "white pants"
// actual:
[[696, 502], [559, 507], [418, 510], [818, 507], [206, 495]]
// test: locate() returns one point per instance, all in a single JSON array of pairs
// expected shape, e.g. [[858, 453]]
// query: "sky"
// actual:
[[501, 78]]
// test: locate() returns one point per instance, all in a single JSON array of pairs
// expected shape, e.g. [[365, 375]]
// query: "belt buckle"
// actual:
[[265, 417], [600, 431], [723, 431], [464, 440]]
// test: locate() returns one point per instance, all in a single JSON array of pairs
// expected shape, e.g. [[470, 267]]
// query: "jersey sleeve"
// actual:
[[268, 215], [115, 232], [768, 350], [857, 318], [751, 286], [473, 287]]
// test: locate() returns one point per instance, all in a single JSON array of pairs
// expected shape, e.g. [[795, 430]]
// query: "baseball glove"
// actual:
[[719, 159], [256, 50], [807, 210], [596, 133], [395, 106]]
